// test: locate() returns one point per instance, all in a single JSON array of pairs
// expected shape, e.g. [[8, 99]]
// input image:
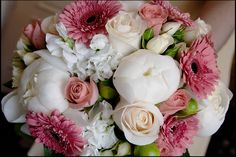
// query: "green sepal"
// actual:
[[147, 35], [172, 52], [179, 35]]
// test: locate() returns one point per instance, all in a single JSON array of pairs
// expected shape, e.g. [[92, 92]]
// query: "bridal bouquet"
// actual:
[[99, 78]]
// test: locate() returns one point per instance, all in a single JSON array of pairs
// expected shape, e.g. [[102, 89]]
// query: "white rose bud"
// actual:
[[170, 27], [160, 43], [213, 110], [29, 58], [48, 25], [98, 42], [192, 33]]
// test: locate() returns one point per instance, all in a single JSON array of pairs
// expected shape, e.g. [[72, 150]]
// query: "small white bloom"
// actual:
[[160, 43], [100, 131], [192, 33], [90, 150], [213, 110], [61, 29], [98, 42], [170, 27]]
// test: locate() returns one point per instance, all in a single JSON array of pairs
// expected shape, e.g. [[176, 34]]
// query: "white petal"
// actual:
[[29, 58], [78, 117], [170, 27], [54, 61], [12, 109]]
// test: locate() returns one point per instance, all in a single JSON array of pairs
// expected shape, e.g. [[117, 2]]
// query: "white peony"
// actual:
[[139, 121], [41, 90], [125, 31], [213, 109], [160, 43], [146, 76], [199, 28]]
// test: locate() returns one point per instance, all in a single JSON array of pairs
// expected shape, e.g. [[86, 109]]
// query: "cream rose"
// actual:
[[125, 31], [146, 76], [41, 89], [139, 121], [213, 110]]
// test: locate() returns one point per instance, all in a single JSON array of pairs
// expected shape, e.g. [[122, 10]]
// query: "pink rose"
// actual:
[[155, 15], [178, 101], [35, 34], [80, 93]]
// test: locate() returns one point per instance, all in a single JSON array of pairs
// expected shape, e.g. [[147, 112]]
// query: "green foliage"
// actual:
[[186, 153], [179, 35], [190, 110], [172, 52], [147, 35]]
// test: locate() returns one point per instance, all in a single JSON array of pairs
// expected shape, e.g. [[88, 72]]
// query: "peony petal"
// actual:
[[12, 109], [78, 117], [54, 61]]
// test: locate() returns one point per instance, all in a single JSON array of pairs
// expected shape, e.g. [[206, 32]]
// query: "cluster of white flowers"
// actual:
[[98, 61], [100, 131]]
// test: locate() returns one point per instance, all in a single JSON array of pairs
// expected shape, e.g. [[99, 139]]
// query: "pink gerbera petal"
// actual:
[[176, 135], [199, 67], [56, 132], [83, 19]]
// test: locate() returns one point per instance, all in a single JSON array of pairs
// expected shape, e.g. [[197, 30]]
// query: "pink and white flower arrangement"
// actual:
[[97, 79]]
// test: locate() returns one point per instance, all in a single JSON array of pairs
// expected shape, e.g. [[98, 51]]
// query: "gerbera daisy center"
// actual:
[[91, 19], [194, 67]]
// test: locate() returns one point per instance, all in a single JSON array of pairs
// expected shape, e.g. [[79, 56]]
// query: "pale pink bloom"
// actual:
[[35, 34], [56, 132], [84, 19], [199, 67], [178, 101], [176, 135], [155, 15], [174, 13], [80, 93]]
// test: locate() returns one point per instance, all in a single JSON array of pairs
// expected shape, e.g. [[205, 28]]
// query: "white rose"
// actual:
[[160, 43], [140, 121], [200, 28], [41, 90], [146, 76], [125, 31], [170, 27], [213, 110]]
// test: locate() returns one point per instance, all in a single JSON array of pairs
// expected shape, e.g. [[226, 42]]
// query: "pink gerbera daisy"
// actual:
[[83, 19], [174, 12], [199, 67], [56, 132], [176, 135]]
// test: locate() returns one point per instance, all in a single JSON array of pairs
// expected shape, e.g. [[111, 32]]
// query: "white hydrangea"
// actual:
[[100, 133], [97, 62], [90, 150]]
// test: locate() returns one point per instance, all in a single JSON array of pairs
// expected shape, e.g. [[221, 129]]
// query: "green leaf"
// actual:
[[171, 52], [179, 35], [147, 35], [186, 153], [21, 134], [70, 42]]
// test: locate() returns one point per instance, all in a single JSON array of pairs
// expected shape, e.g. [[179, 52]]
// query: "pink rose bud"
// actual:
[[178, 101], [80, 93], [35, 34], [155, 15]]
